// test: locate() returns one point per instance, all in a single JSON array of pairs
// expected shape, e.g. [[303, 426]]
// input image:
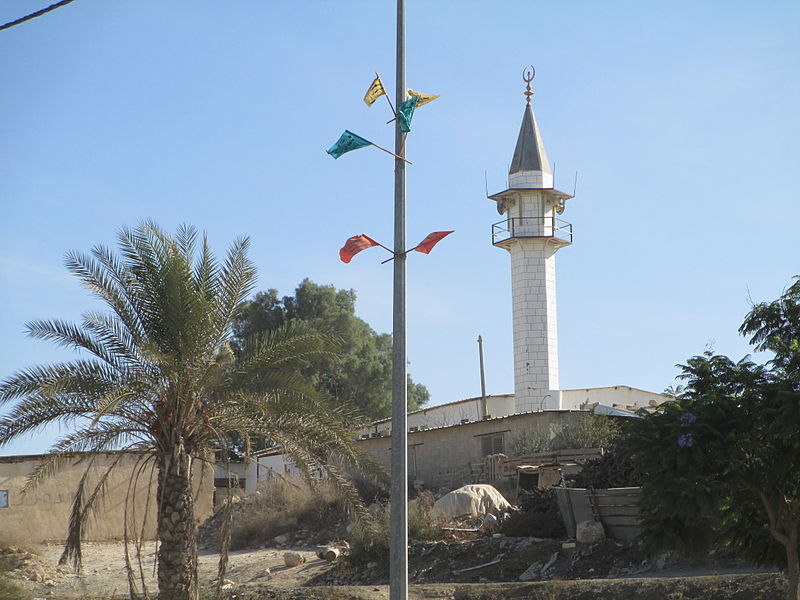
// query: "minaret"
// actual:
[[533, 234]]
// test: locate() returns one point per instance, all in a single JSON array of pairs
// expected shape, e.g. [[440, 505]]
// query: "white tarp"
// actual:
[[477, 499]]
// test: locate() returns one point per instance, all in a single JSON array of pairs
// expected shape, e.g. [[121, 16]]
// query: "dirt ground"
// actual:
[[260, 574]]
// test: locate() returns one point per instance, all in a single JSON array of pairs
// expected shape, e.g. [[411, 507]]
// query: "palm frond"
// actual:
[[82, 507], [85, 377]]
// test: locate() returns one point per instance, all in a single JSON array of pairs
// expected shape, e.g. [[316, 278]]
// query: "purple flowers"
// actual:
[[687, 440]]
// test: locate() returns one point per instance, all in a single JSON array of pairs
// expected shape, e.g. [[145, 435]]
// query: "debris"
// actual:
[[588, 532], [488, 564], [568, 545], [329, 553], [227, 585], [551, 562], [293, 559], [531, 572]]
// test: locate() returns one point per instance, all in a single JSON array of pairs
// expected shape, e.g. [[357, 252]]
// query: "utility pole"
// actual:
[[398, 546], [484, 409]]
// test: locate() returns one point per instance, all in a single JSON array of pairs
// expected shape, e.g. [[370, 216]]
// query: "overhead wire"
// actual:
[[38, 13]]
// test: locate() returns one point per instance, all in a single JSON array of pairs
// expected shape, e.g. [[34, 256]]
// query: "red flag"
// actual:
[[354, 245], [431, 240]]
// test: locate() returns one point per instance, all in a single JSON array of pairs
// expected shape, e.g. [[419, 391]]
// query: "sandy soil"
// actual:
[[104, 574], [260, 574]]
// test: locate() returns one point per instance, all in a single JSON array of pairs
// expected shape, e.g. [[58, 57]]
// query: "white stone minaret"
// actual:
[[533, 234]]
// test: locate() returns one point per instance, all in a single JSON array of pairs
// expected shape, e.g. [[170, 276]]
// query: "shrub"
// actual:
[[593, 431], [369, 541], [529, 441]]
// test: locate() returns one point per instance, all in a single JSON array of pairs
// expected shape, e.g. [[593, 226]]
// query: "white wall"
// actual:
[[450, 414], [618, 395]]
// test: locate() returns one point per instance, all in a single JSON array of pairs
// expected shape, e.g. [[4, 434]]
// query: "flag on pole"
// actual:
[[423, 98], [347, 142], [426, 245], [375, 91], [405, 112], [354, 245]]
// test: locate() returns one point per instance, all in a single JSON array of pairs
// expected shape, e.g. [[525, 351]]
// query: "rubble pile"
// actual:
[[26, 566], [612, 470], [537, 515], [497, 558]]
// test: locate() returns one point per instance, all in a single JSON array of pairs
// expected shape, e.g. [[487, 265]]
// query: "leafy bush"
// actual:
[[721, 461]]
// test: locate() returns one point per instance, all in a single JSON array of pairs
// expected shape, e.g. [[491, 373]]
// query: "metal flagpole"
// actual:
[[398, 547]]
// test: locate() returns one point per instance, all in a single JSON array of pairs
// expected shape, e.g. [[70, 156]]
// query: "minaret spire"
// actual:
[[530, 167]]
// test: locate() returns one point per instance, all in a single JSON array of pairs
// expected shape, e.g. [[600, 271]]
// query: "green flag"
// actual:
[[349, 141], [405, 111]]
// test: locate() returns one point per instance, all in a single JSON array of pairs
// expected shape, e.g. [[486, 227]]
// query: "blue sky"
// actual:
[[680, 118]]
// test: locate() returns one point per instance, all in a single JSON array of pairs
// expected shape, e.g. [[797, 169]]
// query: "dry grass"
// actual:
[[283, 505], [8, 589], [370, 541]]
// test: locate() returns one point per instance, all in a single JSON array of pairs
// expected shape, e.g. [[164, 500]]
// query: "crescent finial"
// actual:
[[528, 73]]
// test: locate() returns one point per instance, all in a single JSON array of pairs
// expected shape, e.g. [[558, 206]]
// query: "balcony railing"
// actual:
[[531, 227]]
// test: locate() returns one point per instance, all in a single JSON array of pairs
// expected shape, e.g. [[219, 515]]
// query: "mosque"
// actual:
[[447, 443]]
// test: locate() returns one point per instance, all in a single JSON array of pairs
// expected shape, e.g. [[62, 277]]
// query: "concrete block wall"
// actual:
[[447, 457], [535, 325], [530, 179]]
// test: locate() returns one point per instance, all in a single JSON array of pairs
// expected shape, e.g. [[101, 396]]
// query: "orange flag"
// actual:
[[426, 245], [354, 245]]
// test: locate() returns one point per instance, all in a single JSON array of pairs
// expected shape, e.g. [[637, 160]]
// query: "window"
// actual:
[[492, 444]]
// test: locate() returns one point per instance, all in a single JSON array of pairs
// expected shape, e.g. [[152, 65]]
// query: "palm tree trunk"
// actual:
[[177, 554]]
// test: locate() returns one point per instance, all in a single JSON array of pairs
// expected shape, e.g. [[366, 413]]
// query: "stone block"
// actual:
[[588, 532]]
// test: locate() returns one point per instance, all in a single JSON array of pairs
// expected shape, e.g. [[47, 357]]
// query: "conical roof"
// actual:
[[529, 155]]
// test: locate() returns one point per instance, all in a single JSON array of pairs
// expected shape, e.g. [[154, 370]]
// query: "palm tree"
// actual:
[[161, 378]]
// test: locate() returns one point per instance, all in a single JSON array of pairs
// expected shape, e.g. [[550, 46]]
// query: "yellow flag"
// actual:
[[375, 91], [423, 98]]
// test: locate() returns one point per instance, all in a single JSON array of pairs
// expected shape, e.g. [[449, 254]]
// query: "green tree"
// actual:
[[720, 463], [362, 375], [157, 375]]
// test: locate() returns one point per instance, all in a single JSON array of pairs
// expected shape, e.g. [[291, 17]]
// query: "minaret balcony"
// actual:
[[549, 227]]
